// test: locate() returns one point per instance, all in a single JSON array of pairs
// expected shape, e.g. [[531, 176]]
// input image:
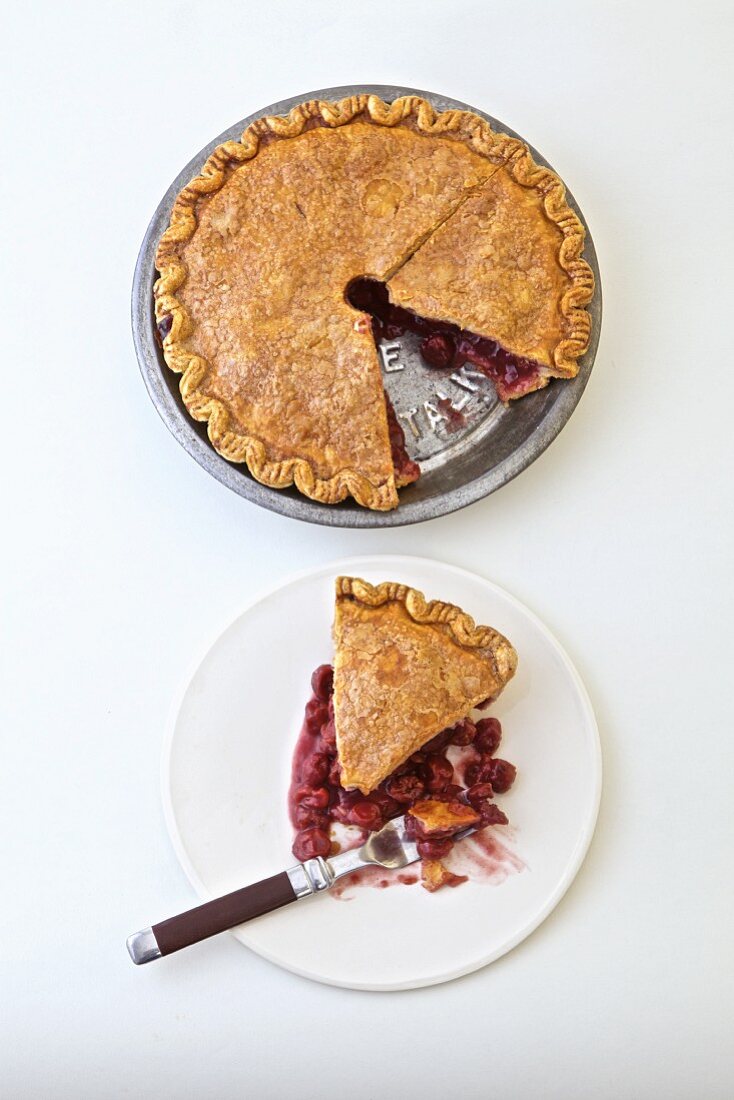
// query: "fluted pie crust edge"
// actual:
[[457, 624], [409, 111]]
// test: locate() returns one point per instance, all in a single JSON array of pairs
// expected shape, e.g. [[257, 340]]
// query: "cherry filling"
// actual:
[[163, 327], [406, 470], [444, 346], [317, 800]]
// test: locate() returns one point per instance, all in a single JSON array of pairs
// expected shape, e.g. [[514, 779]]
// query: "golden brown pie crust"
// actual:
[[262, 244], [404, 670], [500, 268], [437, 819], [434, 875]]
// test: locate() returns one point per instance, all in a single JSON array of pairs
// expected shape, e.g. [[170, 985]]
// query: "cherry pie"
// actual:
[[258, 300], [386, 731], [404, 670]]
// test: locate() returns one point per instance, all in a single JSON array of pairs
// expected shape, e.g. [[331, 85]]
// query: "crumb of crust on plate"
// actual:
[[434, 875], [434, 818]]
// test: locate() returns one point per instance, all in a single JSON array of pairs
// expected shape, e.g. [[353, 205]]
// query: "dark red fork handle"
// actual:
[[210, 918]]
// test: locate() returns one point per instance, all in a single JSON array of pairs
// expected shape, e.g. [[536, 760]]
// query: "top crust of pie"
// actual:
[[263, 243], [502, 241], [404, 670]]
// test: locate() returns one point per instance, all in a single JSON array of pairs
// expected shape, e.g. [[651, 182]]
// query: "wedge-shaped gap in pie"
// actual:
[[444, 346], [485, 288]]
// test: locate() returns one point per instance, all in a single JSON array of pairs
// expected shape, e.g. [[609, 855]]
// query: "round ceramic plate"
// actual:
[[460, 462], [226, 770]]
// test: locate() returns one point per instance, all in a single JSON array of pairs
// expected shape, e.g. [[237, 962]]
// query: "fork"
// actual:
[[390, 848]]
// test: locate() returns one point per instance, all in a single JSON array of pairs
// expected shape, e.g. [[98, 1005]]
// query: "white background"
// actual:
[[120, 556]]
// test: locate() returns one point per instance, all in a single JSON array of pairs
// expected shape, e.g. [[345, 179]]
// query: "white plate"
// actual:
[[226, 769]]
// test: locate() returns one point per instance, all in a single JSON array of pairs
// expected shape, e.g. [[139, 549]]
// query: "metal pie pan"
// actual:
[[463, 458]]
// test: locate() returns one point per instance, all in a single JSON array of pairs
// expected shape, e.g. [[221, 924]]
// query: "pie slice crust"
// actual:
[[518, 240], [404, 670], [261, 247]]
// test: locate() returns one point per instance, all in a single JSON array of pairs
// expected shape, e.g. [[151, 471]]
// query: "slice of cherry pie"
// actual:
[[387, 730], [471, 241]]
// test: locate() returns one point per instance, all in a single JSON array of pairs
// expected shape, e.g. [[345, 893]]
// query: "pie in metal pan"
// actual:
[[341, 261]]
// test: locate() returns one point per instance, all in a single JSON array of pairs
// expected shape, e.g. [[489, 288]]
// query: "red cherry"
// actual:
[[489, 735], [388, 806], [438, 349], [316, 715], [405, 788], [322, 682], [318, 798], [435, 849], [366, 815], [315, 769], [484, 770], [438, 772], [463, 732], [501, 774], [305, 816], [471, 773], [311, 843]]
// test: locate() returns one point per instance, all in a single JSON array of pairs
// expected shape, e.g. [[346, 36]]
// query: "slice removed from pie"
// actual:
[[404, 670]]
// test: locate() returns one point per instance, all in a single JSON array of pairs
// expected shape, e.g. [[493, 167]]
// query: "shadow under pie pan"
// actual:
[[462, 458]]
